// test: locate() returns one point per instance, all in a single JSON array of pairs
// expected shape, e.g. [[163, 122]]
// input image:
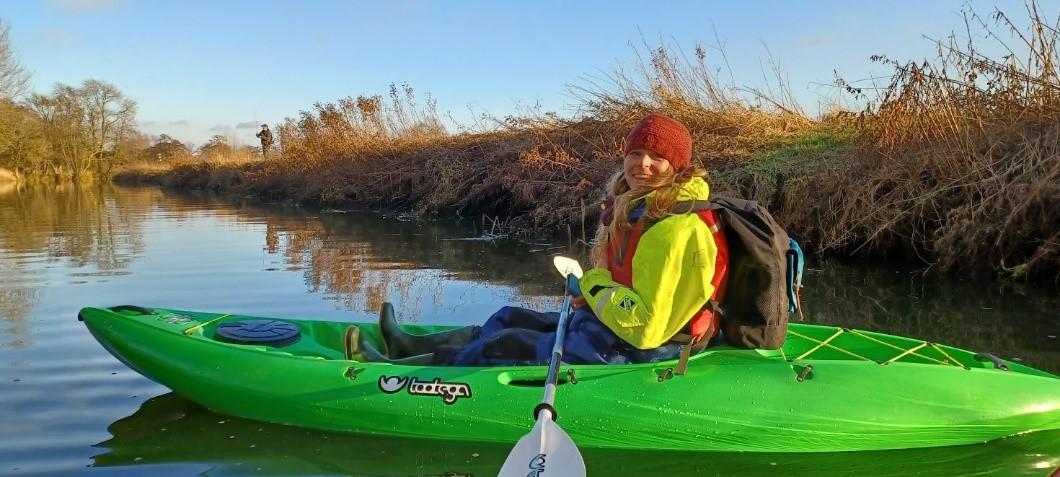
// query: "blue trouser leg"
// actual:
[[509, 337], [516, 317], [518, 336]]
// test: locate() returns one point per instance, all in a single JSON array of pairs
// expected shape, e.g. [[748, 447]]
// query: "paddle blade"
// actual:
[[567, 266], [546, 451]]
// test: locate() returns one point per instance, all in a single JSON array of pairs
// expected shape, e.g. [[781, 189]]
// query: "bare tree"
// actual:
[[14, 79], [22, 144], [166, 149], [87, 127], [61, 120], [111, 117], [217, 146]]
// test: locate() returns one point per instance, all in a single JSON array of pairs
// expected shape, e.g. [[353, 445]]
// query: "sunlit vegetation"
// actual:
[[952, 163], [353, 127], [957, 162]]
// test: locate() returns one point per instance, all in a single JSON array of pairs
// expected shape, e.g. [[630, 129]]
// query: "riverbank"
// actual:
[[830, 191], [952, 165]]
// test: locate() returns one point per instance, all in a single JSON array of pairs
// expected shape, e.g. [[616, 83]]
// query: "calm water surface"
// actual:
[[69, 408]]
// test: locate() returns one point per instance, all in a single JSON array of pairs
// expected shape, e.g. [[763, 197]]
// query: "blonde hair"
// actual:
[[666, 187]]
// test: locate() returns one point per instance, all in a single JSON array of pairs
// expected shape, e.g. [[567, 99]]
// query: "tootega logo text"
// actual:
[[449, 392]]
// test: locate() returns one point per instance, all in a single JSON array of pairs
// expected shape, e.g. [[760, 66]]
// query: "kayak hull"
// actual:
[[843, 395], [170, 430]]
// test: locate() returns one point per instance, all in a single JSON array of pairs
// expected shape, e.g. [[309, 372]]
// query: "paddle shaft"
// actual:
[[547, 450], [551, 381]]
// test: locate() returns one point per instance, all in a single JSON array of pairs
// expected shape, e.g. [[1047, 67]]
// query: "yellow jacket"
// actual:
[[673, 266]]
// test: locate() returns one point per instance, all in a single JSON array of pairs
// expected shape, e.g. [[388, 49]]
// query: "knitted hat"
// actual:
[[663, 135]]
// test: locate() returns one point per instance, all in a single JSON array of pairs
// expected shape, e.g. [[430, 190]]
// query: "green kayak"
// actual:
[[829, 389]]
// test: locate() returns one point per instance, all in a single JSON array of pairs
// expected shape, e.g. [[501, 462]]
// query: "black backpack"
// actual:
[[764, 275]]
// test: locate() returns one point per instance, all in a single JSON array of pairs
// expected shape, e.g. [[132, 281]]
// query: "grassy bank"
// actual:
[[954, 163]]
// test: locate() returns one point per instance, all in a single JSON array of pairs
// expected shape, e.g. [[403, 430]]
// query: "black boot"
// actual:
[[360, 349], [400, 344]]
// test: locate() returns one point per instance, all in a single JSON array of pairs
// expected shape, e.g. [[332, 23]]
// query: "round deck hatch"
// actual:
[[274, 333]]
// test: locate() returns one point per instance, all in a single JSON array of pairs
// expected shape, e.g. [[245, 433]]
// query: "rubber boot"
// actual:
[[363, 351], [400, 344], [350, 342]]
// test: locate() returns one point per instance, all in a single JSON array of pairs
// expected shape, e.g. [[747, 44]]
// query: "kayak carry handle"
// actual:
[[998, 364], [804, 373], [139, 309]]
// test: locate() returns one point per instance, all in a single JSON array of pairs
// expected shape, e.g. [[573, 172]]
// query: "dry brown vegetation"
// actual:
[[959, 163], [355, 127], [954, 163]]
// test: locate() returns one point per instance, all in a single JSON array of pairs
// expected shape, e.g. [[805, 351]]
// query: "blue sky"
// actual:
[[198, 68]]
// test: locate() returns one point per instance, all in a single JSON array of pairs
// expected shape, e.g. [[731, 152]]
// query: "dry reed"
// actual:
[[957, 165]]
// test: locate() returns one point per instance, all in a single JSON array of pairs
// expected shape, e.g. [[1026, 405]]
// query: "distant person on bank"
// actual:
[[266, 139]]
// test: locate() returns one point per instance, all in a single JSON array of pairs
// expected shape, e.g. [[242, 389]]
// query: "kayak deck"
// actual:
[[324, 339], [828, 388]]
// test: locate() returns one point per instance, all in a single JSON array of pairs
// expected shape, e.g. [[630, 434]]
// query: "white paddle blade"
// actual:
[[546, 451], [567, 266]]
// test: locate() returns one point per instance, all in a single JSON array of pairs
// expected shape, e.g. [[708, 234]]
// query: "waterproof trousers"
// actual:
[[518, 336]]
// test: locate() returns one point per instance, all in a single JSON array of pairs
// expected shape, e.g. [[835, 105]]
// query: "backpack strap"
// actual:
[[688, 206], [694, 344]]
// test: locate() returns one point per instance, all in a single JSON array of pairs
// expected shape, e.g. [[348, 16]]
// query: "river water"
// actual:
[[69, 408]]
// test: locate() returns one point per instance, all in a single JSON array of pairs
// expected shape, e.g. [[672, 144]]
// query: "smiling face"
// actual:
[[643, 165]]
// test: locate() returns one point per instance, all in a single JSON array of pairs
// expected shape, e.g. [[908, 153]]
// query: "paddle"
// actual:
[[547, 450]]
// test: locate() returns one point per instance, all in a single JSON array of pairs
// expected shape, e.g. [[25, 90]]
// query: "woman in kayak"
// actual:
[[658, 268]]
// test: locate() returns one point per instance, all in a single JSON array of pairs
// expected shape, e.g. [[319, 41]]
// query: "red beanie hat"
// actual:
[[663, 135]]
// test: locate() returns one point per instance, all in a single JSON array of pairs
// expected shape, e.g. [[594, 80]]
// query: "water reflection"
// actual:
[[87, 229], [356, 260], [87, 225], [169, 430]]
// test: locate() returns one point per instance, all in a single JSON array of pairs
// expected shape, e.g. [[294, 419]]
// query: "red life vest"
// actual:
[[705, 322]]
